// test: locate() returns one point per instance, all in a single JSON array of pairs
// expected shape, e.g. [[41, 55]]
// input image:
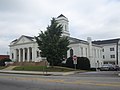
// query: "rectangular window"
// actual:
[[81, 51], [112, 56], [111, 49], [98, 53], [103, 57], [86, 52], [95, 53], [101, 53]]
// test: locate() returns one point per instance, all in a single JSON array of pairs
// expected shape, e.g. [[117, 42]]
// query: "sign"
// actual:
[[74, 59]]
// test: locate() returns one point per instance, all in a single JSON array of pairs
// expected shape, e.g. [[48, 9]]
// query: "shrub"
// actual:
[[69, 62], [2, 61], [82, 63]]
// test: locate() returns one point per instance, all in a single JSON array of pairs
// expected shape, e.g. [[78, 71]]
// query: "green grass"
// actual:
[[41, 68], [29, 68], [2, 67]]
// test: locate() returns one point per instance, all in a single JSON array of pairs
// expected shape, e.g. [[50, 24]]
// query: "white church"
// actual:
[[25, 48]]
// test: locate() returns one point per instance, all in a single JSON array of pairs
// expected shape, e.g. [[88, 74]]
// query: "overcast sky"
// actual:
[[99, 19]]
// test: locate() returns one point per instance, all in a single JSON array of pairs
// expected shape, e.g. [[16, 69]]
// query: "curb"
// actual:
[[25, 73], [39, 73]]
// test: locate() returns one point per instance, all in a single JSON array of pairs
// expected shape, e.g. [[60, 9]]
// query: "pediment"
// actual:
[[23, 40]]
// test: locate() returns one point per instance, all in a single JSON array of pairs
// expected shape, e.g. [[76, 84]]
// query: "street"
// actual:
[[80, 81]]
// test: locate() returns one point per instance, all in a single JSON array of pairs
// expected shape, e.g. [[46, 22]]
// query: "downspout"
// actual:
[[117, 53]]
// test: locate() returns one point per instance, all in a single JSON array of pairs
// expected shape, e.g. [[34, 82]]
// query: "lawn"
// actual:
[[43, 68], [2, 67]]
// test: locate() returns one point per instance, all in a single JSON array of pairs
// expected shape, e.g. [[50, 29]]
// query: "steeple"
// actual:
[[61, 19]]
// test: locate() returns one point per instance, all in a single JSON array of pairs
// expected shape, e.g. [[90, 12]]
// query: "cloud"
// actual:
[[95, 18]]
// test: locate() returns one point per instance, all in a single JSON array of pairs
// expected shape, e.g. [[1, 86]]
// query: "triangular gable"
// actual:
[[23, 39]]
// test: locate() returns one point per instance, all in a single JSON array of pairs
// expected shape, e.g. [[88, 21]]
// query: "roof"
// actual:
[[75, 40], [106, 41], [15, 40], [61, 16], [31, 38]]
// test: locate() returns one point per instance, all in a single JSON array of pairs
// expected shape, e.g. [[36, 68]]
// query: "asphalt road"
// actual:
[[80, 81]]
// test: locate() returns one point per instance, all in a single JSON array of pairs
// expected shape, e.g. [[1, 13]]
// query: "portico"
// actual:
[[26, 51], [23, 54]]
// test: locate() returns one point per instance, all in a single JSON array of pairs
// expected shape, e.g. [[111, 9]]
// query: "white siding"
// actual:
[[107, 53]]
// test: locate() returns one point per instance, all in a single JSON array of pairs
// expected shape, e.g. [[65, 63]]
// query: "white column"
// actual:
[[15, 53], [33, 54], [10, 53], [23, 54], [28, 54], [19, 55]]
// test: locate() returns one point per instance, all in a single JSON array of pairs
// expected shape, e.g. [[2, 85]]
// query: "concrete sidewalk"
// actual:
[[38, 73]]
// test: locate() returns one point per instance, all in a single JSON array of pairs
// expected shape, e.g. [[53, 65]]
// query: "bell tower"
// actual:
[[64, 22]]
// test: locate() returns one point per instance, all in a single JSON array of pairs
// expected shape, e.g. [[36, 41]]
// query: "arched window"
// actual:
[[71, 52]]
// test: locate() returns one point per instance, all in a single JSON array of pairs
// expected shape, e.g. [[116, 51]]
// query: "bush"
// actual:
[[82, 63], [69, 62], [2, 61]]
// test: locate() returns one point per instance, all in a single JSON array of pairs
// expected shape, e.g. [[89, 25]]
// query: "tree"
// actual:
[[52, 44]]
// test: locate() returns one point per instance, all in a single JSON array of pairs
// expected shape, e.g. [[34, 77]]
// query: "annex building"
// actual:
[[25, 48]]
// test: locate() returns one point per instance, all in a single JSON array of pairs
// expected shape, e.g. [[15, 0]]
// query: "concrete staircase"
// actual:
[[9, 67]]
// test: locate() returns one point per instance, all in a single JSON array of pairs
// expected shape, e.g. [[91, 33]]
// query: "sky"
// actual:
[[98, 19]]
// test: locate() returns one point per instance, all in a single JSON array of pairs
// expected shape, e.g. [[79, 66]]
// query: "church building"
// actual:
[[25, 48]]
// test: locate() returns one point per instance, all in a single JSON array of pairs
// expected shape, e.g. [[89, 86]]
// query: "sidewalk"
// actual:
[[38, 73]]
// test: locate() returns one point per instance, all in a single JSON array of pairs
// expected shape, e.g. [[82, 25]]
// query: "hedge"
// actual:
[[82, 63]]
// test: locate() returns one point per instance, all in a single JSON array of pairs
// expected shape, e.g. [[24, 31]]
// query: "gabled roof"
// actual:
[[15, 40], [106, 41], [29, 37], [61, 16], [75, 40]]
